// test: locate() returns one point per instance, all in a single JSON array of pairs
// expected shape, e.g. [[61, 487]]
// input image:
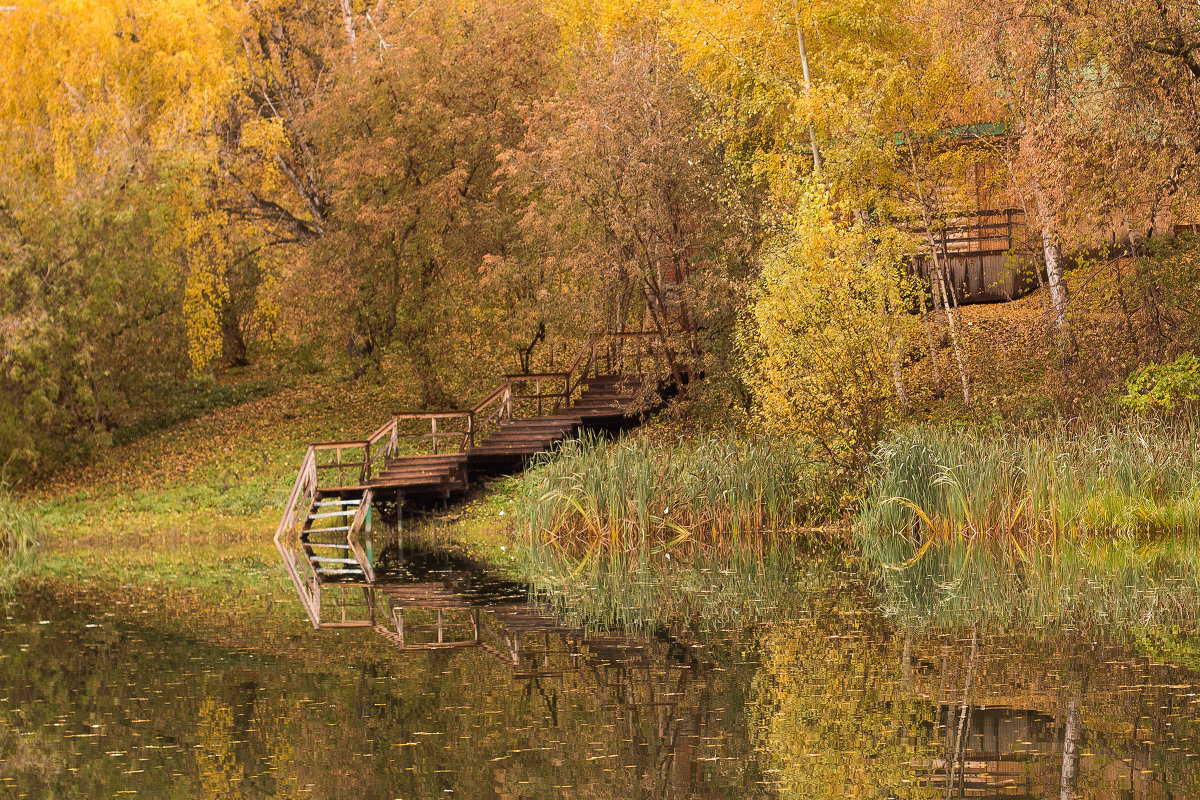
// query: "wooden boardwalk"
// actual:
[[421, 457]]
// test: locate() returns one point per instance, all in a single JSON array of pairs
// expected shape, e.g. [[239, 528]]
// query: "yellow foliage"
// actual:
[[838, 716], [581, 20], [94, 84], [206, 290], [830, 313]]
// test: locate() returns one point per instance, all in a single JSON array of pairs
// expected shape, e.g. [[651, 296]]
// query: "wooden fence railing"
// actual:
[[299, 504], [980, 233]]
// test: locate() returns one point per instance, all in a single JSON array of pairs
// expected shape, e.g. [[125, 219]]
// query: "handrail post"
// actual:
[[433, 428], [365, 474], [471, 428]]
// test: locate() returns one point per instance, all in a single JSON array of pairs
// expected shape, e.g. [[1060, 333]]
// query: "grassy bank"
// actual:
[[1072, 523], [1091, 522]]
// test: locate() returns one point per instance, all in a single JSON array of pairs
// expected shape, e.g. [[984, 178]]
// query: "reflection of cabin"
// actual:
[[1018, 753]]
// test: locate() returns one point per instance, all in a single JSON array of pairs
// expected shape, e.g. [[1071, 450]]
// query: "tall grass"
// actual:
[[1118, 479], [1077, 522], [709, 493], [19, 535]]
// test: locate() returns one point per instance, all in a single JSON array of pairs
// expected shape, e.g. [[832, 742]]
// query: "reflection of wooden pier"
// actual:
[[431, 615]]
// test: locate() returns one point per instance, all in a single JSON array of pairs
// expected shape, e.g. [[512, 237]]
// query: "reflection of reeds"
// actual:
[[1070, 522], [18, 539], [708, 493], [638, 591]]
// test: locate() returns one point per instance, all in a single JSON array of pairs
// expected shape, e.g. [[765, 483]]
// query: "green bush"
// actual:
[[1163, 386]]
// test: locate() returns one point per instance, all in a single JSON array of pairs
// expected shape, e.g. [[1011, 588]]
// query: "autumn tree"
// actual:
[[805, 96], [1102, 99], [628, 199], [411, 135], [107, 158], [823, 332]]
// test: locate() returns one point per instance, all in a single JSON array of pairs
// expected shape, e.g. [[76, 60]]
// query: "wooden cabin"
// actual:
[[987, 255]]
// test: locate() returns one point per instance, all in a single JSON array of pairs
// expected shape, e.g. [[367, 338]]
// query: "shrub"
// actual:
[[1163, 386]]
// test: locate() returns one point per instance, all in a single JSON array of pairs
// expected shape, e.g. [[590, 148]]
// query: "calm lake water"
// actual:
[[825, 701]]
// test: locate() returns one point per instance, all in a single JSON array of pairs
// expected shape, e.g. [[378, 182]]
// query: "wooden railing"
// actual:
[[354, 536], [530, 394], [287, 539], [300, 504], [978, 233]]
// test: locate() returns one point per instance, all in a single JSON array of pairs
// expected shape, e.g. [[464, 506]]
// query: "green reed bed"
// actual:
[[1075, 523], [635, 531], [710, 492], [19, 535]]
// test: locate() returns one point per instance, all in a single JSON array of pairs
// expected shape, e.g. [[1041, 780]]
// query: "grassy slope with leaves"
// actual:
[[187, 512]]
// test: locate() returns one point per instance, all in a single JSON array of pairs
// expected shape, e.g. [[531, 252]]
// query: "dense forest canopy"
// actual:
[[410, 191]]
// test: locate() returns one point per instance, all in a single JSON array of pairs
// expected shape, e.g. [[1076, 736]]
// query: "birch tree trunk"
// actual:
[[348, 22], [1058, 288], [939, 391], [897, 372], [812, 133], [960, 357], [1069, 780]]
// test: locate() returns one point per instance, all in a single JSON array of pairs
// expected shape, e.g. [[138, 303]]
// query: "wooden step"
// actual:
[[428, 461], [350, 512], [411, 472], [545, 435], [502, 449], [535, 422], [419, 482], [390, 476]]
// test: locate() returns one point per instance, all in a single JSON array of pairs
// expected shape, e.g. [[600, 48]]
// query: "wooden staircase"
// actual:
[[604, 402], [610, 383]]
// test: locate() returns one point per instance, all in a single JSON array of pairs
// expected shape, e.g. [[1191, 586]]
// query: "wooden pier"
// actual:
[[419, 457]]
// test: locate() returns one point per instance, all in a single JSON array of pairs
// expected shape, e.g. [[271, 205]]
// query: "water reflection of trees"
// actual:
[[607, 716], [843, 710], [829, 706], [657, 716]]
